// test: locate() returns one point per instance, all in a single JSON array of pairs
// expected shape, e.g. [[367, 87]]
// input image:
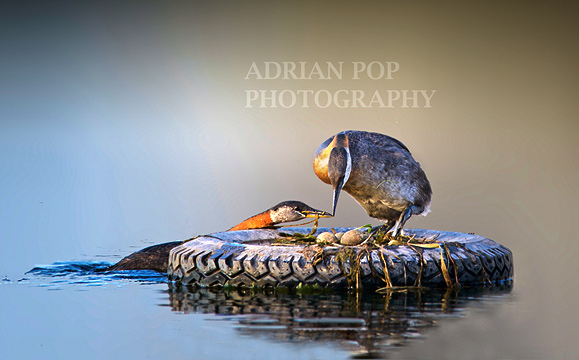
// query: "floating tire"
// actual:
[[248, 258]]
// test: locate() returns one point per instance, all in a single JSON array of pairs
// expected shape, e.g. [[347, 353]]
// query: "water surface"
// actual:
[[124, 124], [79, 309]]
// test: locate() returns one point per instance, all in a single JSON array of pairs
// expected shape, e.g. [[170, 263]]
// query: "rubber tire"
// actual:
[[245, 258]]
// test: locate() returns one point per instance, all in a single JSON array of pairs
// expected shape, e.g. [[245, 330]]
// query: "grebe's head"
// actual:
[[292, 210], [333, 164]]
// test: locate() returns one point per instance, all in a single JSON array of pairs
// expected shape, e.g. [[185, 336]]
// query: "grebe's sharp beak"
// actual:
[[337, 190], [316, 213]]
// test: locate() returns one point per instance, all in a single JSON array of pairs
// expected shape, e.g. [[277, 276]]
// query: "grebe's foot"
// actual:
[[396, 232]]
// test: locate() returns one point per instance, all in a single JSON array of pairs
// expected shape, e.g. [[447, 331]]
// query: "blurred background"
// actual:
[[124, 124]]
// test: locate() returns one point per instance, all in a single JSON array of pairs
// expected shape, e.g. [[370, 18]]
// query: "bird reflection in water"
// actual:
[[366, 324]]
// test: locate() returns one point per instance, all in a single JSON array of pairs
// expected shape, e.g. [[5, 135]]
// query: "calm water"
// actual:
[[124, 124], [89, 313]]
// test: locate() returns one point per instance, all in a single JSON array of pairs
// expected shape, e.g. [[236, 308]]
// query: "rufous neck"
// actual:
[[258, 221]]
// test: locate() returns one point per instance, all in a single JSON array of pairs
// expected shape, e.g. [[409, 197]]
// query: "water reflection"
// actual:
[[367, 324]]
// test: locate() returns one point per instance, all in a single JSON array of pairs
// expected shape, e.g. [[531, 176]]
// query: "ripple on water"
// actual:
[[368, 325], [87, 274]]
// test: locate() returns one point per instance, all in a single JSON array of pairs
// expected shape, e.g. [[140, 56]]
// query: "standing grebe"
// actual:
[[379, 172]]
